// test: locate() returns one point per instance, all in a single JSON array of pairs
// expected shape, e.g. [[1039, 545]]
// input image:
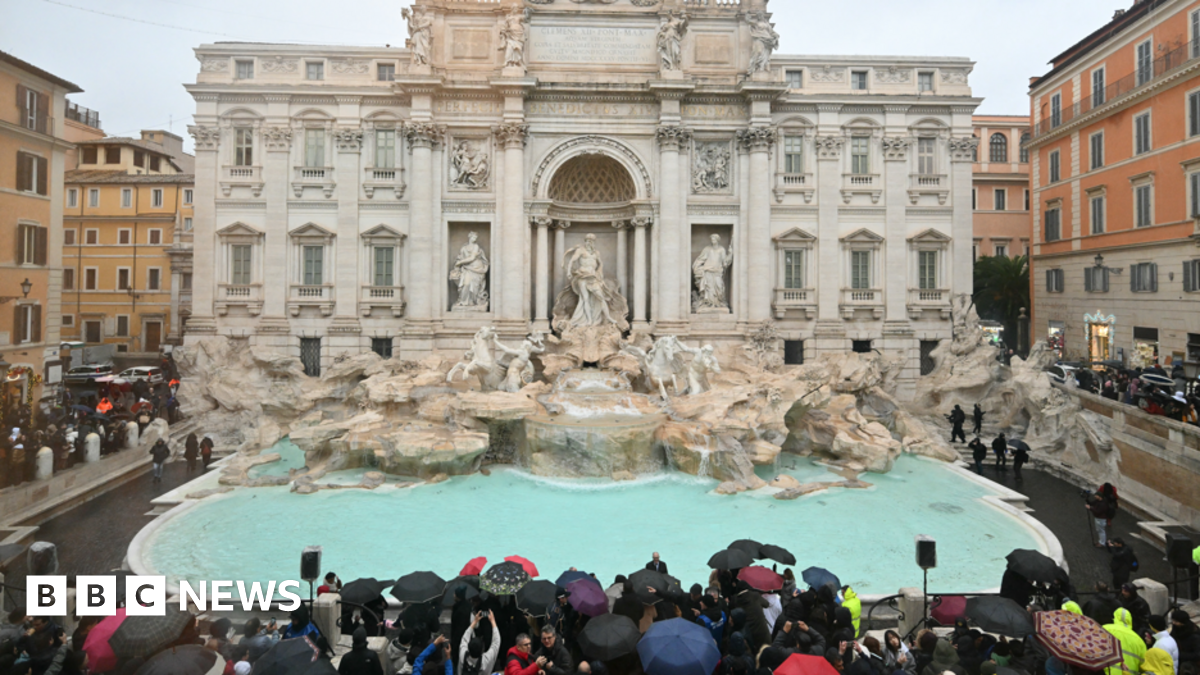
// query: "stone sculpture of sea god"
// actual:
[[709, 273], [507, 371], [470, 275]]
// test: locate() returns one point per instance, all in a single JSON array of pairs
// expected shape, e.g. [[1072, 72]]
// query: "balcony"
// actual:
[[86, 116], [388, 298], [795, 183], [241, 176], [376, 178], [301, 296], [854, 299], [795, 299], [313, 176], [923, 299], [239, 295], [869, 184], [937, 185], [1182, 56]]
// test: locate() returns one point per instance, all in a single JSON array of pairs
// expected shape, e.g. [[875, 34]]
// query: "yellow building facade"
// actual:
[[127, 243], [33, 149]]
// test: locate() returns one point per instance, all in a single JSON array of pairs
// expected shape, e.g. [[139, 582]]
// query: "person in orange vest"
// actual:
[[104, 406]]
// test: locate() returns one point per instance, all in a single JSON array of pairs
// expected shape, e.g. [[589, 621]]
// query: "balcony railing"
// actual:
[[313, 176], [795, 298], [316, 173], [387, 297], [239, 295], [83, 115], [1161, 67], [860, 296], [387, 177], [924, 296], [928, 184], [311, 292], [308, 295], [243, 173], [861, 180], [241, 176], [921, 180], [795, 179], [795, 183]]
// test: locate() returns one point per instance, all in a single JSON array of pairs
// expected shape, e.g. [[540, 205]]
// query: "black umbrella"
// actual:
[[750, 546], [730, 559], [504, 578], [418, 587], [141, 636], [1000, 615], [1033, 565], [534, 597], [572, 575], [777, 553], [184, 660], [609, 636], [296, 656], [1018, 444], [363, 591], [471, 584], [662, 584]]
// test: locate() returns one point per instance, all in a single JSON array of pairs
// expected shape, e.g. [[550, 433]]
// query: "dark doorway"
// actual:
[[310, 356], [861, 346], [793, 352]]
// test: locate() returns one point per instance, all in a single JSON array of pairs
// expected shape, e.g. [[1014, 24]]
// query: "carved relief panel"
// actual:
[[712, 167], [470, 160]]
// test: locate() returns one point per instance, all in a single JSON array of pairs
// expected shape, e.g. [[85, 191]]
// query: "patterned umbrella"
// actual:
[[504, 578], [146, 635], [1077, 640]]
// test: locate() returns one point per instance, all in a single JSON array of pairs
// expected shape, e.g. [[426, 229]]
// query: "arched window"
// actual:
[[998, 148], [975, 150], [1025, 148]]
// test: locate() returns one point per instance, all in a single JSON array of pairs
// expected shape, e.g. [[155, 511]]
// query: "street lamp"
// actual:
[[1099, 260], [26, 286]]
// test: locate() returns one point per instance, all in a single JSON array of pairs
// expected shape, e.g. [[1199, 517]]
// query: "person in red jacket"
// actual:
[[519, 661]]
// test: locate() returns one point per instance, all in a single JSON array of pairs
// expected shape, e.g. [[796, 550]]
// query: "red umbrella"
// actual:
[[100, 655], [948, 609], [804, 664], [1077, 640], [473, 567], [761, 578], [141, 405], [526, 565]]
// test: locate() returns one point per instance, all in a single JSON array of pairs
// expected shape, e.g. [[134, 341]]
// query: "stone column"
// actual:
[[422, 137], [671, 140], [541, 307], [277, 173], [896, 282], [346, 274], [640, 321], [622, 257], [560, 250], [757, 260], [514, 238], [828, 150], [204, 285], [962, 153]]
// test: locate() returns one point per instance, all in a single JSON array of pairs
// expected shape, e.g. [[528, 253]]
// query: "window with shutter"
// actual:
[[22, 104], [1087, 279], [21, 239], [42, 116], [22, 171], [1189, 278], [42, 242], [18, 324], [36, 323], [43, 176], [1153, 277]]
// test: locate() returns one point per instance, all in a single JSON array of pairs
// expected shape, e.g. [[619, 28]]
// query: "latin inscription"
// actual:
[[713, 112], [574, 109], [468, 107], [592, 45]]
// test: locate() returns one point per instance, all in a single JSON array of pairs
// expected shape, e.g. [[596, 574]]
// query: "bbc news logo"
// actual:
[[147, 595]]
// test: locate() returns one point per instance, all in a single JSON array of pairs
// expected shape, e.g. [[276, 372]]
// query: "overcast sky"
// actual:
[[132, 71]]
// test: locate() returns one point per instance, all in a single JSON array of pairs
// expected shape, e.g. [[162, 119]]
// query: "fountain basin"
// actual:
[[570, 446]]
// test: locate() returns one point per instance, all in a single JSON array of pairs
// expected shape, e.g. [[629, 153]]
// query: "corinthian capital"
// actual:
[[895, 148], [511, 135], [424, 134], [277, 138], [962, 149], [348, 140], [673, 137], [640, 221], [829, 147], [542, 221], [207, 138], [757, 138]]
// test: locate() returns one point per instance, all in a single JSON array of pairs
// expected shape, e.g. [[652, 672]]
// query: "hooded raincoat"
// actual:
[[1133, 648]]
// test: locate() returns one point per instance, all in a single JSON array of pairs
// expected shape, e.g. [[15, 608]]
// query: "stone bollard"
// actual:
[[912, 607], [326, 612], [91, 448], [131, 435], [45, 464], [1155, 594]]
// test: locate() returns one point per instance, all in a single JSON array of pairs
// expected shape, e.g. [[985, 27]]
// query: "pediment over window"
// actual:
[[382, 234], [862, 236], [311, 231], [794, 236], [238, 229], [930, 236]]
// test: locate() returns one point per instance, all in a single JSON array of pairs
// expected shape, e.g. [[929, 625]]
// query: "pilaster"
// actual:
[[513, 274], [757, 272], [346, 277], [277, 172], [962, 156], [671, 294], [895, 268], [203, 320], [422, 138], [828, 149]]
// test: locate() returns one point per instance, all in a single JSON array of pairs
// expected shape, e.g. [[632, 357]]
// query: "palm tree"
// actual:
[[1001, 290]]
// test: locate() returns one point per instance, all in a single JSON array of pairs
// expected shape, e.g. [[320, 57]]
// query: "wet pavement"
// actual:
[[93, 538]]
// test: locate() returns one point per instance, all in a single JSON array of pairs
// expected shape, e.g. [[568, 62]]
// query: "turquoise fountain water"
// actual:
[[864, 536]]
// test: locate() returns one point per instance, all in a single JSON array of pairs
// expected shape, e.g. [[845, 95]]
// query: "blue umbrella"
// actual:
[[572, 575], [817, 577], [678, 647]]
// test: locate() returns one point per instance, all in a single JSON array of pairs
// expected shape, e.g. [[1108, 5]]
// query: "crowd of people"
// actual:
[[1155, 395], [103, 408], [476, 633]]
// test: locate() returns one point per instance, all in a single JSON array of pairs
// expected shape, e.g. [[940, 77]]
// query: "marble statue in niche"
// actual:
[[513, 35], [766, 41], [470, 166], [470, 275], [420, 34], [585, 271], [670, 41], [708, 270], [711, 172]]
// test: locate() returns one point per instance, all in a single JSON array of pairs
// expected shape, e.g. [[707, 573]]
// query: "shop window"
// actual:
[[1145, 347]]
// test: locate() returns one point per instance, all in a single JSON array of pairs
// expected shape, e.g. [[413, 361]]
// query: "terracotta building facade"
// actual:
[[1001, 193]]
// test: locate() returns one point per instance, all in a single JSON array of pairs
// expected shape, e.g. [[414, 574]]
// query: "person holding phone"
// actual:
[[472, 659]]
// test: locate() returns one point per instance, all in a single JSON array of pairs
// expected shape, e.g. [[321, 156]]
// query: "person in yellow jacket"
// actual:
[[1158, 662], [1133, 648], [851, 602], [1073, 607]]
